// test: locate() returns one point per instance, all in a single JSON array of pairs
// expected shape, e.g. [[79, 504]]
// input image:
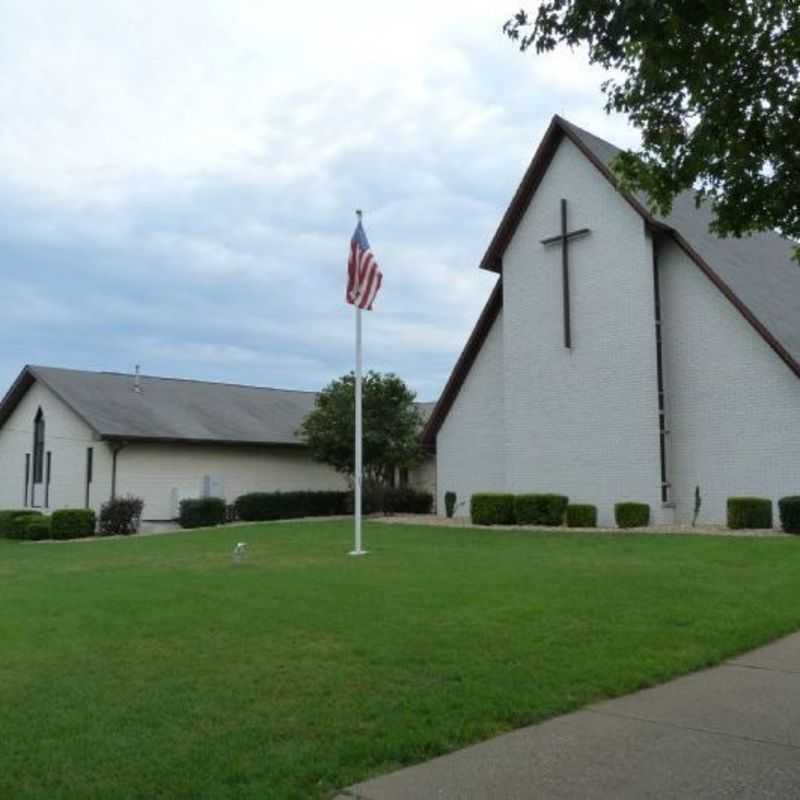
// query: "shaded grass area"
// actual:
[[154, 668]]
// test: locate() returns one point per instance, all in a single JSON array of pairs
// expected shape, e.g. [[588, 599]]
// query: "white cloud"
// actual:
[[187, 172]]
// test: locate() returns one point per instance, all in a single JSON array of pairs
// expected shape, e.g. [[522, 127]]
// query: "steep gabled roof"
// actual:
[[171, 409], [757, 273]]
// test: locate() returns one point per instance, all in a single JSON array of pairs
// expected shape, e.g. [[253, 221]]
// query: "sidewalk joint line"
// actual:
[[765, 669], [708, 731]]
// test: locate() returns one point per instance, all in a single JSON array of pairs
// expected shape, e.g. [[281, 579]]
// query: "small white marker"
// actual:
[[239, 552]]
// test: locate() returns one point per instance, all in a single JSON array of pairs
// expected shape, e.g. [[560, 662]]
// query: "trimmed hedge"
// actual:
[[581, 516], [38, 529], [72, 523], [540, 509], [7, 525], [262, 506], [789, 509], [14, 524], [632, 515], [492, 508], [449, 504], [201, 512], [749, 512]]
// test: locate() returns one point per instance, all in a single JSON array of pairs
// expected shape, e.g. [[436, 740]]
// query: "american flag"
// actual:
[[363, 274]]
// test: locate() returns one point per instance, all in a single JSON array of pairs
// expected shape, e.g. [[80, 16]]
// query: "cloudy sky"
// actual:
[[178, 180]]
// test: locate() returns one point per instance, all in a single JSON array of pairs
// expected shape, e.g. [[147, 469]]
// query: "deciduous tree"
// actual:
[[391, 427], [712, 84]]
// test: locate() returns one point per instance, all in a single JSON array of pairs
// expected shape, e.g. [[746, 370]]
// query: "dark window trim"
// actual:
[[27, 479], [38, 446], [89, 471], [662, 419], [48, 471]]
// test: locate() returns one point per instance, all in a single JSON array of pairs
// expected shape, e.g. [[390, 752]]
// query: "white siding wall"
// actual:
[[67, 438], [733, 406], [152, 471], [469, 446], [582, 422]]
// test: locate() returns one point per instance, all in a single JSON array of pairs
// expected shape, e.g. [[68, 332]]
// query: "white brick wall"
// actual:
[[733, 406], [469, 447], [581, 422], [67, 437]]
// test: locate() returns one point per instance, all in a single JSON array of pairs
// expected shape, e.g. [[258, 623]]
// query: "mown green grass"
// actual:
[[153, 667]]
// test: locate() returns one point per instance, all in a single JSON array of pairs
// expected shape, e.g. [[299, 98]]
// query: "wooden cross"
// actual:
[[564, 238]]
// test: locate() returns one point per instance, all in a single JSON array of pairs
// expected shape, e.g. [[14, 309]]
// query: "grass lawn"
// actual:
[[153, 667]]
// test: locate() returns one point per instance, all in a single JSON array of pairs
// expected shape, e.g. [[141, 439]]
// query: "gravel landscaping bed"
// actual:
[[463, 522]]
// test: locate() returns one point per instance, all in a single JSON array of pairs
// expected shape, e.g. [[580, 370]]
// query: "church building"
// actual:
[[624, 355]]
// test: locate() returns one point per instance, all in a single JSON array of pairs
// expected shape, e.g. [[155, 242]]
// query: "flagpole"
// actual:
[[357, 549]]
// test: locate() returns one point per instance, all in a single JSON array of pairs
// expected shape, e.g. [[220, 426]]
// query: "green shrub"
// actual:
[[789, 509], [581, 516], [72, 523], [450, 504], [632, 515], [121, 515], [38, 529], [7, 525], [14, 524], [492, 508], [262, 506], [396, 500], [749, 512], [201, 512], [540, 509]]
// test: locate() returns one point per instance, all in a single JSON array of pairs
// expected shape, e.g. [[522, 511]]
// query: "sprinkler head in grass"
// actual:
[[239, 552]]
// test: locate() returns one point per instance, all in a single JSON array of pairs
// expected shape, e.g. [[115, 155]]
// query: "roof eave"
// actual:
[[463, 365], [141, 439]]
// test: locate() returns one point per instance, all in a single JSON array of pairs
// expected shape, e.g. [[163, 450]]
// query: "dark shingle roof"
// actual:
[[171, 409], [759, 269]]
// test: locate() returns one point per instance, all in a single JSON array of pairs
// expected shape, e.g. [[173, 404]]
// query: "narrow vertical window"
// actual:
[[89, 458], [38, 447], [27, 479], [47, 473]]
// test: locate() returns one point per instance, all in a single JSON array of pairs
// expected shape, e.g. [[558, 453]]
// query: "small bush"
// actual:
[[581, 516], [262, 506], [540, 509], [201, 512], [450, 504], [15, 526], [8, 526], [789, 509], [38, 529], [632, 515], [492, 508], [749, 512], [121, 515], [405, 500], [72, 523]]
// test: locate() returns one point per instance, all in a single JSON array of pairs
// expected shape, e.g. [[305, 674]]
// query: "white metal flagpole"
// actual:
[[357, 549]]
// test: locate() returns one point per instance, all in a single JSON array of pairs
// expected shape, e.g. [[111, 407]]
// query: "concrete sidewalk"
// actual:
[[728, 732]]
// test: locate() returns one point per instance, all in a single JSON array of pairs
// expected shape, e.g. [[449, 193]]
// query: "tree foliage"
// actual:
[[714, 87], [391, 426]]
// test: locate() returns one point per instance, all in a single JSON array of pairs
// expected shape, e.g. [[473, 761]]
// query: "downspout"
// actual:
[[115, 448]]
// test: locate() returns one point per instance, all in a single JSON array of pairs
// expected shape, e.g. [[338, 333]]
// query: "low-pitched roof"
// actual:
[[756, 273], [172, 409]]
